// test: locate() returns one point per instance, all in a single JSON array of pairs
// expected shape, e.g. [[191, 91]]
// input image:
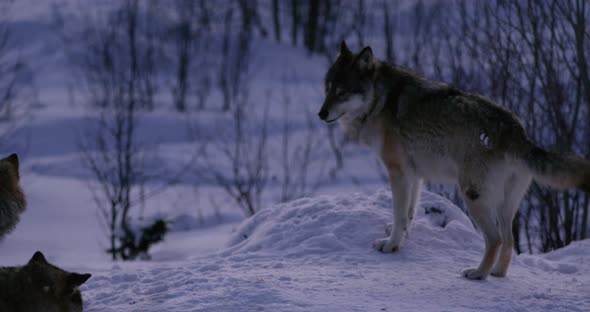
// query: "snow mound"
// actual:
[[314, 254], [346, 223]]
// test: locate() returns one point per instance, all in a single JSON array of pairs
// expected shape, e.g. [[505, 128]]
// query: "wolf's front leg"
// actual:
[[405, 192], [416, 187]]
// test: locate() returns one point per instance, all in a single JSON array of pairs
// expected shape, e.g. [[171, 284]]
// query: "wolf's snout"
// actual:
[[323, 114]]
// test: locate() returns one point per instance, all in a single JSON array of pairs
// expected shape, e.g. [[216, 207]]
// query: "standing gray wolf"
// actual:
[[12, 198], [40, 287], [425, 130]]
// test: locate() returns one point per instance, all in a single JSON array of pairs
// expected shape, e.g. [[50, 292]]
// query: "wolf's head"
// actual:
[[53, 285], [10, 190], [9, 172], [348, 85]]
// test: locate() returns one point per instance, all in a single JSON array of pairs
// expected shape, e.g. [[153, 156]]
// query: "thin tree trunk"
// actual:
[[276, 18], [311, 28]]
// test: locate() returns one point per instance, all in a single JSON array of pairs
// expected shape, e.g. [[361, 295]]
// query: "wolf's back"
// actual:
[[557, 170]]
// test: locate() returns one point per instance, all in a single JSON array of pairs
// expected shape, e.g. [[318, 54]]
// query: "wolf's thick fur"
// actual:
[[39, 286], [433, 131], [12, 198]]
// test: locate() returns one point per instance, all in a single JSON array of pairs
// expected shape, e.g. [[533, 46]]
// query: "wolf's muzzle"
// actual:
[[323, 114]]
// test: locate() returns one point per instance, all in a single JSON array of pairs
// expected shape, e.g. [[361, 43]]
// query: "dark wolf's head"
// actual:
[[9, 173], [10, 190], [53, 287], [12, 198], [348, 85]]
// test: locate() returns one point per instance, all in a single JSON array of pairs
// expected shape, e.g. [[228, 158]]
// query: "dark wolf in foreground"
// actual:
[[12, 198], [425, 130], [40, 287]]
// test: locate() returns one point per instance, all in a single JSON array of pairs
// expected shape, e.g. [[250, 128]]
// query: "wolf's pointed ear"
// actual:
[[76, 279], [365, 58], [344, 48], [13, 159], [38, 257]]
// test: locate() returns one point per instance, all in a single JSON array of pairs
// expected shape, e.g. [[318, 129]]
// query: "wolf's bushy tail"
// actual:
[[557, 170]]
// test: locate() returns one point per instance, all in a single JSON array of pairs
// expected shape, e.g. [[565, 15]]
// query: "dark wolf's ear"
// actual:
[[344, 48], [76, 279], [38, 257], [13, 160], [365, 58]]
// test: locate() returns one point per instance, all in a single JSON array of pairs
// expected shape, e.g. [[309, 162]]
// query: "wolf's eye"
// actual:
[[340, 92]]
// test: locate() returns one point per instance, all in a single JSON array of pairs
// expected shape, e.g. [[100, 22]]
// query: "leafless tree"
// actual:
[[276, 19], [295, 9], [360, 22], [16, 84], [190, 23], [389, 29], [235, 52], [321, 24], [301, 167], [239, 163], [311, 27], [115, 70], [555, 34]]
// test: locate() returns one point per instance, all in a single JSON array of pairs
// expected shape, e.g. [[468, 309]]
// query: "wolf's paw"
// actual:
[[385, 245], [474, 274]]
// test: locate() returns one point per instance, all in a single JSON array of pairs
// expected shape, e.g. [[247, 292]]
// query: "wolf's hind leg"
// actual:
[[515, 189], [481, 205], [402, 188]]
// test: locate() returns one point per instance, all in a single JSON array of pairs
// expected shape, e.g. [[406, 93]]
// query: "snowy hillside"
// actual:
[[314, 254]]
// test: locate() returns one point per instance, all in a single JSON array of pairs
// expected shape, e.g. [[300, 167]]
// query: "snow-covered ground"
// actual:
[[310, 254], [314, 254]]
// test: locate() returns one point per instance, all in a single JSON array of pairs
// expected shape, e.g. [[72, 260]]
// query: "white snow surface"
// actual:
[[314, 254]]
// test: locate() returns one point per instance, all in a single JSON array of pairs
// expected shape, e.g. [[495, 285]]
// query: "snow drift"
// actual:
[[347, 224], [314, 254]]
